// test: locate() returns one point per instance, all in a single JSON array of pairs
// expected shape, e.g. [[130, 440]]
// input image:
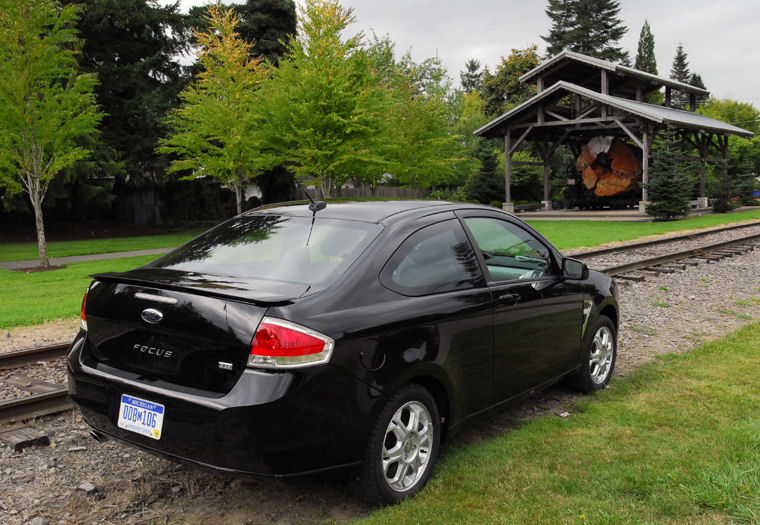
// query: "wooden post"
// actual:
[[605, 83], [508, 204], [703, 150], [644, 169], [539, 84], [692, 102], [668, 97]]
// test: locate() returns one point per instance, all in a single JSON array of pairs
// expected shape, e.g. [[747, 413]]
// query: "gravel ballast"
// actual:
[[76, 480]]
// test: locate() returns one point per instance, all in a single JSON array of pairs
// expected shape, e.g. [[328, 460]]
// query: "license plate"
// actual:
[[141, 416]]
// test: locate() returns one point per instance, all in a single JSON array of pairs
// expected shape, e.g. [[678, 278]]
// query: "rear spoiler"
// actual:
[[207, 285]]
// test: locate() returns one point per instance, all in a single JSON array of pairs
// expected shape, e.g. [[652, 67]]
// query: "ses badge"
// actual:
[[141, 416]]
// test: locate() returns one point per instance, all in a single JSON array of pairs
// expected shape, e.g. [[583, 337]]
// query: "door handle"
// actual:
[[509, 298]]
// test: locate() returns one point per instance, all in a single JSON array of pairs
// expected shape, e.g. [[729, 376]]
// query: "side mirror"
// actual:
[[574, 269]]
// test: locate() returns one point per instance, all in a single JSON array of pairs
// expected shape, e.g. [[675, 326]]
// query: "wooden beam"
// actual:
[[593, 107], [556, 115], [559, 142], [519, 141], [507, 165], [628, 132]]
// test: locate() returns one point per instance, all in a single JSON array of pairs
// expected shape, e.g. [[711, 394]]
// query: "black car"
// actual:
[[300, 338]]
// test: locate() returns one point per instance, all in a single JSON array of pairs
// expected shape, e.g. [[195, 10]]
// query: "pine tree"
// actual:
[[668, 190], [561, 13], [645, 59], [472, 78], [487, 185], [680, 71], [591, 27]]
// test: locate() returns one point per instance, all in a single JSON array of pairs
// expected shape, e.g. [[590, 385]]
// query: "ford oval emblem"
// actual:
[[152, 316]]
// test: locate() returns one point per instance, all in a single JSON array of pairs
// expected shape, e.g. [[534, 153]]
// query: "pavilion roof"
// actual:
[[682, 119]]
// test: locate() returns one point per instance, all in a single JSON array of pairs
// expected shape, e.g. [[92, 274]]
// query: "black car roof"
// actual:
[[369, 211]]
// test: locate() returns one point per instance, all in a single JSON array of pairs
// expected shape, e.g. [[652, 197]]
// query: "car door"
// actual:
[[446, 312], [537, 315]]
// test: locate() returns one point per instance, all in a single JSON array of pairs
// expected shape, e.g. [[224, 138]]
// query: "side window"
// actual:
[[435, 259], [509, 251]]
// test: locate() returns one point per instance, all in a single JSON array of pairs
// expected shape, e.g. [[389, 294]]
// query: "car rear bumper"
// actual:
[[270, 423]]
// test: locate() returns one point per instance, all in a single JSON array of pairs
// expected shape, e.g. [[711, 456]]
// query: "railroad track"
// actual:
[[656, 242], [45, 398], [674, 261]]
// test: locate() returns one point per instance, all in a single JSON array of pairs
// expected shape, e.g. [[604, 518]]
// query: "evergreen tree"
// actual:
[[487, 185], [591, 27], [696, 81], [131, 46], [668, 189], [561, 13], [472, 77], [645, 59], [680, 71]]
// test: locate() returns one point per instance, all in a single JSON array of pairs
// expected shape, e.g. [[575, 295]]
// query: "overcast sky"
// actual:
[[716, 35]]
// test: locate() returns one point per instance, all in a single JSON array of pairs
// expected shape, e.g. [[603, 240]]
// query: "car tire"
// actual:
[[402, 447], [598, 359]]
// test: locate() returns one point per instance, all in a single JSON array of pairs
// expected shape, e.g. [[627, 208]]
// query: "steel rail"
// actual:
[[675, 256], [643, 244], [28, 356], [35, 405]]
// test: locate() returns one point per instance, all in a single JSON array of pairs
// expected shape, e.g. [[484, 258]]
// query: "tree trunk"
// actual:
[[39, 223], [239, 198], [326, 185]]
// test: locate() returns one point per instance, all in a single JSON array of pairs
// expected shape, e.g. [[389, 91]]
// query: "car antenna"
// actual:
[[314, 207]]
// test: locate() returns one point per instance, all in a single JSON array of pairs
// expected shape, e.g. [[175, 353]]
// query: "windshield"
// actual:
[[272, 247]]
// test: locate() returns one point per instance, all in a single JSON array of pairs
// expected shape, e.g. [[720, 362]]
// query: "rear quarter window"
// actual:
[[435, 259]]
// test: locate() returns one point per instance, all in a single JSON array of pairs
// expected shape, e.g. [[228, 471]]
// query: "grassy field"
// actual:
[[31, 298], [28, 299], [567, 235], [564, 234], [28, 250], [677, 442]]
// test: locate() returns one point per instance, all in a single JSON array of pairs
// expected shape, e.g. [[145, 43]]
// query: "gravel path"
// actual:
[[76, 480]]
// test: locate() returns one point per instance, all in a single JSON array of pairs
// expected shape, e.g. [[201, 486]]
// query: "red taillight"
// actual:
[[82, 317], [279, 343]]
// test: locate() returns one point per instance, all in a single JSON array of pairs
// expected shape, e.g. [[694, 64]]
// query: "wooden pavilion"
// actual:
[[579, 97]]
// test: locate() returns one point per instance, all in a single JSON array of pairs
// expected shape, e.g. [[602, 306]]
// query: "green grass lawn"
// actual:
[[28, 250], [677, 442], [567, 235], [28, 299], [32, 298]]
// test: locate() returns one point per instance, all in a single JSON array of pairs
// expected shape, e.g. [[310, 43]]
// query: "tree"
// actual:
[[680, 71], [668, 190], [740, 177], [561, 13], [265, 24], [421, 143], [503, 90], [47, 109], [132, 46], [645, 59], [214, 132], [324, 106], [472, 77], [591, 27], [487, 185]]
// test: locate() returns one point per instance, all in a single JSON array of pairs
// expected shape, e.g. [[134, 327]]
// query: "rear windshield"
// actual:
[[272, 247]]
